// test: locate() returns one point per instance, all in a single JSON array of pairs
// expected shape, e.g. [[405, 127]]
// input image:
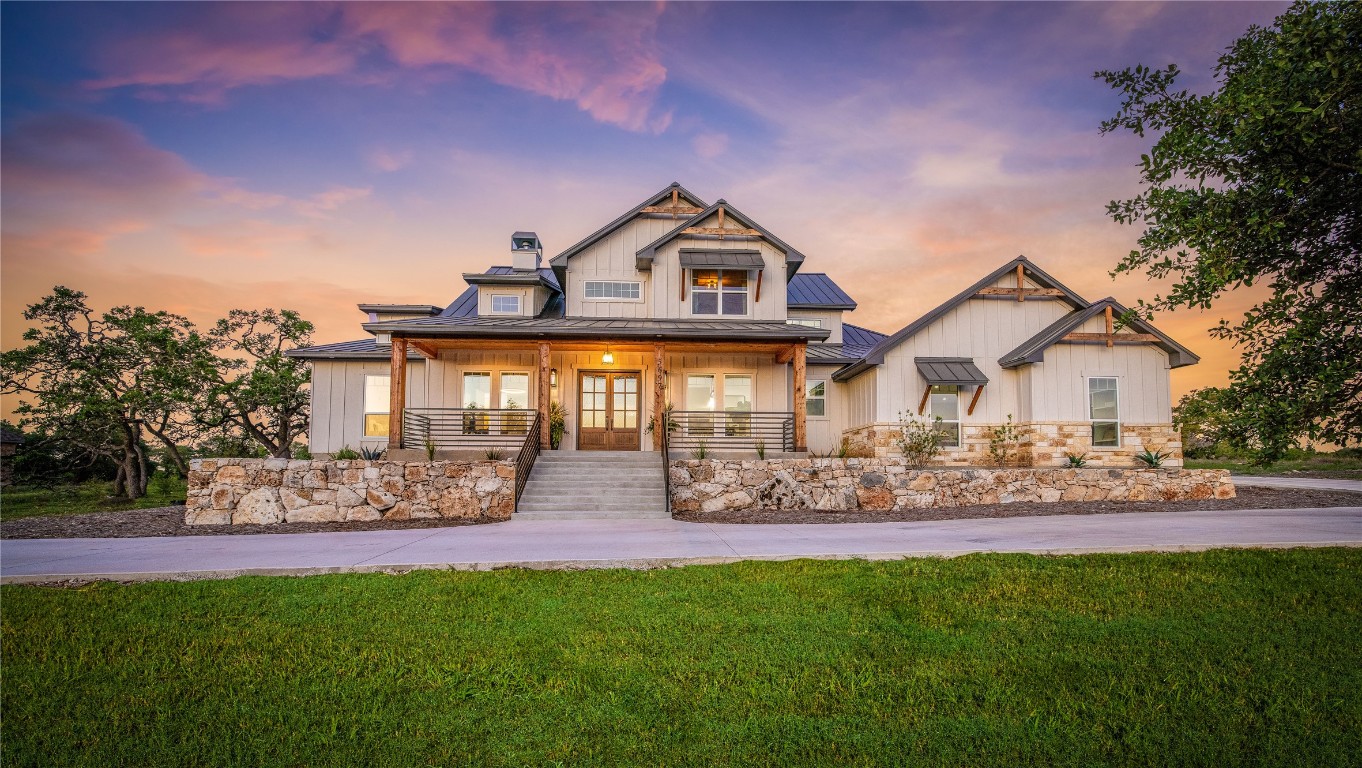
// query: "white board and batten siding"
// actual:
[[613, 259], [831, 319], [1059, 389], [824, 433], [982, 330]]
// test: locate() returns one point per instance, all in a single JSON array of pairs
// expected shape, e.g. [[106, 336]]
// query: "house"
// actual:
[[695, 306]]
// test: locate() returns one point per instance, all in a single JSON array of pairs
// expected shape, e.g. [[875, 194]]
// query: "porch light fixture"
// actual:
[[553, 378], [607, 358]]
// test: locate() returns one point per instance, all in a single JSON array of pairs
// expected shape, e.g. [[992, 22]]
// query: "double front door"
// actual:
[[608, 411]]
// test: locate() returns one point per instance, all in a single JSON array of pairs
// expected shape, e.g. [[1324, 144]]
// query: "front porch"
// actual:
[[474, 396]]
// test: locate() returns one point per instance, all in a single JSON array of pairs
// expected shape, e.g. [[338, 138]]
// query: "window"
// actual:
[[718, 292], [945, 405], [737, 404], [700, 397], [815, 398], [515, 394], [808, 322], [605, 289], [376, 405], [506, 305], [477, 393], [1103, 410]]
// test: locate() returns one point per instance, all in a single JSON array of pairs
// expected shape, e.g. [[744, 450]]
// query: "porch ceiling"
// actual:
[[431, 347]]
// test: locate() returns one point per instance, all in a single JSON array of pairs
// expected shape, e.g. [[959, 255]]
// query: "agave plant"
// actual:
[[1077, 460], [1152, 459]]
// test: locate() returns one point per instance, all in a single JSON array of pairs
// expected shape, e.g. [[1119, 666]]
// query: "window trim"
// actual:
[[719, 292], [808, 398], [492, 303], [956, 422], [1093, 422], [366, 413], [638, 285]]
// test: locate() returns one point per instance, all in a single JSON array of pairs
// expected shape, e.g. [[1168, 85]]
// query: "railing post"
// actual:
[[397, 392], [544, 396], [800, 442]]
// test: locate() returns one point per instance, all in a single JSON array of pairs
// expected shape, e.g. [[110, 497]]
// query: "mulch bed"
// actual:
[[169, 521], [1248, 498]]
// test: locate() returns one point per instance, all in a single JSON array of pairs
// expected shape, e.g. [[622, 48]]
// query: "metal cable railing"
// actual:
[[732, 430], [476, 428]]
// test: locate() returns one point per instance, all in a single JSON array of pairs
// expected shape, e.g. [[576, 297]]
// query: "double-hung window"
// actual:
[[815, 397], [376, 405], [718, 292], [1104, 412], [477, 395], [945, 405]]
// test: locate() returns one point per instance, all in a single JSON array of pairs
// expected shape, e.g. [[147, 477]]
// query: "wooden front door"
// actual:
[[608, 411]]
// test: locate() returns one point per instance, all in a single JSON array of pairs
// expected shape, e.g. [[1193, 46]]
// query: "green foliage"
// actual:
[[761, 449], [346, 453], [302, 452], [1077, 460], [919, 440], [1151, 458], [430, 447], [1220, 658], [1204, 421], [1260, 181], [1004, 443], [557, 424], [370, 452], [163, 489], [231, 446], [701, 451], [494, 454]]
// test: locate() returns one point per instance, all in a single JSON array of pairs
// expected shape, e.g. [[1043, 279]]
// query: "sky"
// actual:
[[200, 157]]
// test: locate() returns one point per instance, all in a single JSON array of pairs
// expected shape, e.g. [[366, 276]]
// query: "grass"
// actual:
[[69, 499], [1343, 464], [1216, 658]]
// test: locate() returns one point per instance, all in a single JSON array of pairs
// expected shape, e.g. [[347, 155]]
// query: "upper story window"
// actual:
[[506, 305], [718, 292], [611, 289], [1104, 412], [808, 322]]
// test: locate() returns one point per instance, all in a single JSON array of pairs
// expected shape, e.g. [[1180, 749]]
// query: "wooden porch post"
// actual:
[[801, 442], [397, 392], [659, 395], [544, 395]]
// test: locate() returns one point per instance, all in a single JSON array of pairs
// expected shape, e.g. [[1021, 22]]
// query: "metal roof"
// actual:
[[466, 305], [858, 340], [830, 354], [950, 370], [697, 257], [645, 255], [511, 278], [363, 349], [875, 355], [11, 436], [399, 309], [816, 290], [598, 328], [1033, 349]]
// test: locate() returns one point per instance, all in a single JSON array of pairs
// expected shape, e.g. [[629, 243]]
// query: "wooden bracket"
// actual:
[[1025, 292], [922, 406], [426, 350], [785, 355], [758, 298], [974, 400], [683, 285], [1021, 283], [1111, 329]]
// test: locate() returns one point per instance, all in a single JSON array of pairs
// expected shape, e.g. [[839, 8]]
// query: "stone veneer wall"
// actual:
[[888, 484], [267, 491], [1042, 444]]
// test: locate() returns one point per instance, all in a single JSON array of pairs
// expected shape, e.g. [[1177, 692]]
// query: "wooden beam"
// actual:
[[545, 441], [683, 285], [721, 217], [674, 209], [785, 354], [1110, 328], [1109, 338], [644, 345], [719, 231], [922, 406], [426, 350], [758, 298], [659, 394], [800, 428], [676, 196], [397, 392], [1046, 292], [1021, 282], [974, 400]]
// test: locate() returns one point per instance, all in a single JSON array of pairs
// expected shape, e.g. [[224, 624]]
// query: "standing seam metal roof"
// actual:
[[950, 370], [815, 290]]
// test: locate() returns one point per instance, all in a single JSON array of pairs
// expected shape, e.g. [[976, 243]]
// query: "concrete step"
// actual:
[[590, 488], [586, 514], [590, 502], [594, 485]]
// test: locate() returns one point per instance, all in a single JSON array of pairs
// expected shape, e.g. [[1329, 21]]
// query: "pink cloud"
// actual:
[[602, 58], [710, 144]]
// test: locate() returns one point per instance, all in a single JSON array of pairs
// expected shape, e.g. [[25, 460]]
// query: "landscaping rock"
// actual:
[[259, 507]]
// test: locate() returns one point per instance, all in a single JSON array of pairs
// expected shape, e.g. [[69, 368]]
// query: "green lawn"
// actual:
[[1346, 465], [68, 499], [1217, 658]]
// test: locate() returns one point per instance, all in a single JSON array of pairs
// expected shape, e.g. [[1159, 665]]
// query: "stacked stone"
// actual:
[[269, 491], [712, 485]]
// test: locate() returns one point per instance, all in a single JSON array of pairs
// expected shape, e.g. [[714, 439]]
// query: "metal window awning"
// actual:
[[693, 258], [960, 371]]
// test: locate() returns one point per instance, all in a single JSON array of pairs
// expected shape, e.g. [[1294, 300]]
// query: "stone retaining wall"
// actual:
[[888, 484], [1042, 443], [267, 491]]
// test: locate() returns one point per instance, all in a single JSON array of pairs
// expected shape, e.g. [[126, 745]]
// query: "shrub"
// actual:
[[1152, 459], [1077, 460], [701, 451], [430, 449], [346, 453], [1004, 443], [494, 454], [557, 424], [302, 452], [370, 453], [761, 449], [919, 440]]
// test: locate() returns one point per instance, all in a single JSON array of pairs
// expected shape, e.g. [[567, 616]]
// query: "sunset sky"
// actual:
[[198, 157]]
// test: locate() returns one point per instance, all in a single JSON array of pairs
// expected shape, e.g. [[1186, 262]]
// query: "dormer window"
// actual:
[[718, 292], [505, 305]]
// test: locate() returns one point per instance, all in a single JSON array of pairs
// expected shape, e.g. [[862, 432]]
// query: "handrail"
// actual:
[[733, 430], [477, 428], [524, 461]]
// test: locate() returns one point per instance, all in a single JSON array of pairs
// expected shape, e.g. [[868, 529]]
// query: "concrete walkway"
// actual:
[[653, 543], [1310, 483]]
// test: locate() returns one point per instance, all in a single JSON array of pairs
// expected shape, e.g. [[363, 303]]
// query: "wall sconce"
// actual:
[[607, 358], [553, 378]]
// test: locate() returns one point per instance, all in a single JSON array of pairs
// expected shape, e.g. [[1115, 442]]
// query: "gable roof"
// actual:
[[1033, 349], [559, 262], [466, 305], [362, 349], [815, 290], [875, 355], [793, 258], [859, 339]]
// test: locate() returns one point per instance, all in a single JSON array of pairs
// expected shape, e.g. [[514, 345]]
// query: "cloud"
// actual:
[[387, 160], [710, 144], [600, 57]]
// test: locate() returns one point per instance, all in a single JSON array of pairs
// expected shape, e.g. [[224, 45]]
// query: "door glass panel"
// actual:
[[626, 402], [593, 402]]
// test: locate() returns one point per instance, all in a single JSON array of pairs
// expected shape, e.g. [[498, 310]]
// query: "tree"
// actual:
[[1203, 420], [96, 382], [1260, 181], [259, 391]]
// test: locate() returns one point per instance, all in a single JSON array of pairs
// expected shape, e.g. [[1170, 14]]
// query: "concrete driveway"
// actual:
[[654, 543], [1308, 483]]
